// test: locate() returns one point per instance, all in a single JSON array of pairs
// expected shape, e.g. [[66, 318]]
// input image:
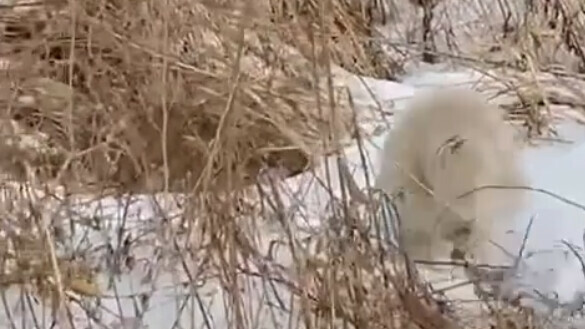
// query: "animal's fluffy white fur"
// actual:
[[449, 142]]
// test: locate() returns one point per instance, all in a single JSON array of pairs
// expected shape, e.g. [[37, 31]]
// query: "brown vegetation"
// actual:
[[205, 100]]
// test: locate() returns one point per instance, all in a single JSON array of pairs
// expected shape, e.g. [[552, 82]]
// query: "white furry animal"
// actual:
[[447, 143]]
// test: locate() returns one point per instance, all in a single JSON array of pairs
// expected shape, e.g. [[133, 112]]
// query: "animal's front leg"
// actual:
[[423, 245], [456, 230]]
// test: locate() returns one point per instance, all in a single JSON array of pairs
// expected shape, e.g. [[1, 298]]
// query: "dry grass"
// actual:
[[198, 97], [183, 94]]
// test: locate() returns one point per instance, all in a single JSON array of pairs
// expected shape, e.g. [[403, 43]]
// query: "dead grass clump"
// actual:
[[548, 36], [180, 95], [30, 257], [351, 26]]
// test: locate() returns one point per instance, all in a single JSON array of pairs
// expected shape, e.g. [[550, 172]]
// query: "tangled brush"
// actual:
[[183, 95]]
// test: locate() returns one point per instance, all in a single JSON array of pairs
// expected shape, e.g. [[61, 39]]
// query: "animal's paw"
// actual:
[[456, 231], [457, 254]]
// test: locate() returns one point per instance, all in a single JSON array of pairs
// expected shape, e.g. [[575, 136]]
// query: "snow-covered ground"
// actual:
[[548, 266]]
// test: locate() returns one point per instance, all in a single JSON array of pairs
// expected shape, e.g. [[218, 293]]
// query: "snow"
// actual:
[[558, 169], [548, 266]]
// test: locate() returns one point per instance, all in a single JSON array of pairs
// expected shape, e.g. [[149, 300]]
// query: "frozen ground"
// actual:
[[548, 266]]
